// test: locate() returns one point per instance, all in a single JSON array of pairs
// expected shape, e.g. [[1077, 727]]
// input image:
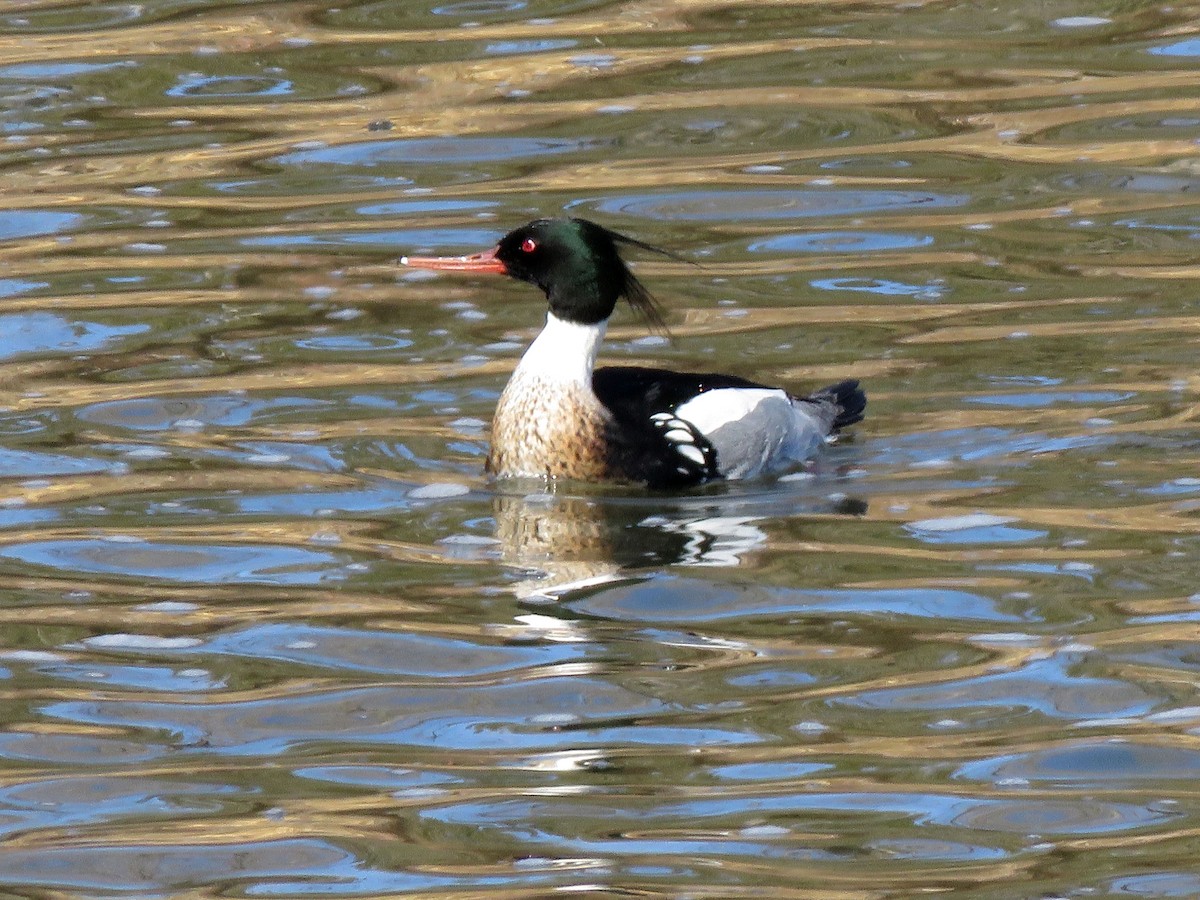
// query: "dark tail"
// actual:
[[848, 397]]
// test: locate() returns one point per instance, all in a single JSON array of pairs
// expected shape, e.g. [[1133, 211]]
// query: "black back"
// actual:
[[641, 401], [636, 393]]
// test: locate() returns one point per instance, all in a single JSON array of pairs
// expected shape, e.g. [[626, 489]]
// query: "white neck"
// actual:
[[565, 352]]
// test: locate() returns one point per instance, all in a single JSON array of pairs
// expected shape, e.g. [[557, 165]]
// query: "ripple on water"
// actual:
[[469, 8], [1183, 656], [883, 287], [381, 500], [1047, 686], [303, 182], [932, 849], [1158, 884], [163, 413], [977, 528], [565, 819], [1187, 47], [358, 343], [137, 677], [75, 749], [23, 223], [12, 287], [422, 207], [972, 444], [1046, 399], [841, 242], [518, 47], [404, 238], [529, 715], [448, 18], [165, 866], [772, 676], [1077, 816], [1108, 764], [1144, 126], [435, 150], [78, 18], [88, 800], [52, 71], [673, 599], [40, 333], [383, 777], [378, 651], [185, 563], [769, 771], [194, 85], [33, 464], [758, 205]]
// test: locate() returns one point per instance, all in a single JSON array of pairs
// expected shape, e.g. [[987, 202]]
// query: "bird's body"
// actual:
[[549, 421], [560, 417]]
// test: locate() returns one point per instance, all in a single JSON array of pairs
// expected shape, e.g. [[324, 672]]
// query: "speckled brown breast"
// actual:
[[545, 429]]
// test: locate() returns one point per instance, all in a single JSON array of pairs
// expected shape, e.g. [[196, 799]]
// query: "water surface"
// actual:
[[271, 633]]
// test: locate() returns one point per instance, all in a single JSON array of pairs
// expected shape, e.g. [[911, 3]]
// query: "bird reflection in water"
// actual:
[[561, 541]]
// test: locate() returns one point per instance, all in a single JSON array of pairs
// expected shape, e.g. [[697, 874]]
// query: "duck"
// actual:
[[561, 417]]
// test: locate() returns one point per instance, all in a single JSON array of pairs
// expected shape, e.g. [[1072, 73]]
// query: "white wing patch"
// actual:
[[697, 457], [756, 430]]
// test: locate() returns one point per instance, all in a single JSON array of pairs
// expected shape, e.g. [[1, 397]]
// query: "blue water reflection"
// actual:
[[195, 563], [24, 223], [39, 333], [1187, 47], [551, 713], [34, 464], [755, 205], [373, 651], [1039, 400], [478, 7], [422, 207], [769, 771], [435, 150], [515, 47], [675, 599], [11, 287], [841, 242], [715, 820], [163, 413], [397, 240], [881, 286], [377, 776], [1102, 765], [194, 85], [86, 800], [1047, 686], [54, 70], [1158, 884]]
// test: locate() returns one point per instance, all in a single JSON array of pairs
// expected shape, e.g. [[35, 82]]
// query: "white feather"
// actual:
[[564, 352], [755, 430], [692, 452], [548, 402]]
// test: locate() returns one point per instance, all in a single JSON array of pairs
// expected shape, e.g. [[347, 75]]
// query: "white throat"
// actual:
[[565, 352]]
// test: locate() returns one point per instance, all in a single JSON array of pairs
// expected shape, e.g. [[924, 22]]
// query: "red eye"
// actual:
[[528, 245]]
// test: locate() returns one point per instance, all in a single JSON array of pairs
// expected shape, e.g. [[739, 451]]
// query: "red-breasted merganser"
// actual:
[[560, 417]]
